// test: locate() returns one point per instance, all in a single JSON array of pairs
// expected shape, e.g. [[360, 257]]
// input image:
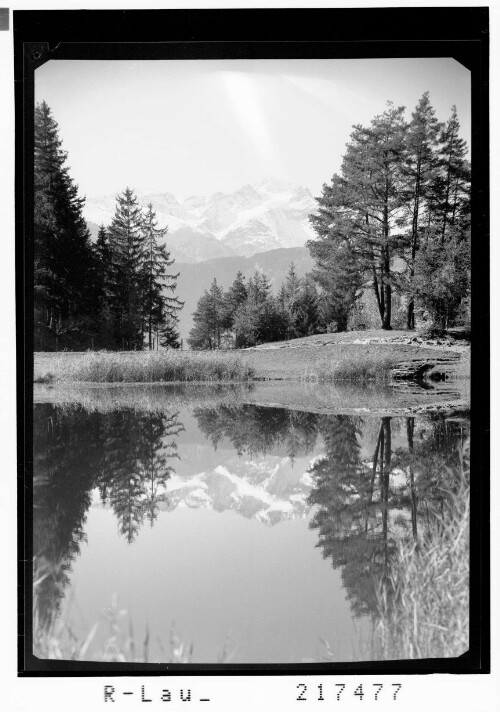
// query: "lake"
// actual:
[[207, 524]]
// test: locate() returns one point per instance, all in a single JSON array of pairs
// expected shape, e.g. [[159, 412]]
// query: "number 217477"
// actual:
[[339, 691]]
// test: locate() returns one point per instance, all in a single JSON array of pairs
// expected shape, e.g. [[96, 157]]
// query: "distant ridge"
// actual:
[[267, 215]]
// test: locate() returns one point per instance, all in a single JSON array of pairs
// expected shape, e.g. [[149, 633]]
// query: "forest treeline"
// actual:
[[248, 313], [392, 249], [392, 243], [116, 293], [396, 219]]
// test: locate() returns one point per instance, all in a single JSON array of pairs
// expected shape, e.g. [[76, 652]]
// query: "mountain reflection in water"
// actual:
[[360, 484]]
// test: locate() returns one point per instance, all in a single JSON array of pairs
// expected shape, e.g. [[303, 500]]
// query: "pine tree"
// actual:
[[359, 213], [208, 319], [421, 166], [260, 318], [102, 252], [292, 291], [442, 280], [234, 298], [64, 295], [307, 319], [247, 320], [259, 287], [169, 333], [126, 241], [443, 259], [159, 309], [340, 276], [453, 187]]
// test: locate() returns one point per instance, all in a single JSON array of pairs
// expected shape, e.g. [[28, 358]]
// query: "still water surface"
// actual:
[[214, 530]]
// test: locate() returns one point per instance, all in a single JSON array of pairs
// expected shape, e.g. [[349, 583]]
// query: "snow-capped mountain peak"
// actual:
[[255, 218]]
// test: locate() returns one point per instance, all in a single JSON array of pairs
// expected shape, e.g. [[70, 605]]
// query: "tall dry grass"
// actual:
[[423, 610], [141, 397], [140, 367], [112, 639], [361, 366]]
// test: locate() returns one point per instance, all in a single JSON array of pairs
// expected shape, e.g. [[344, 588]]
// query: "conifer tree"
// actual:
[[359, 212], [307, 320], [102, 252], [169, 333], [247, 320], [340, 276], [292, 290], [421, 166], [64, 298], [158, 307], [208, 319], [234, 298], [453, 188], [128, 257], [259, 287]]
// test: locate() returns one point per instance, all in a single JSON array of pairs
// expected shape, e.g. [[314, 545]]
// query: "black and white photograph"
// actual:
[[249, 327]]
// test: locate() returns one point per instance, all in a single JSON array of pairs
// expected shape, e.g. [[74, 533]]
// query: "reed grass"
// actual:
[[141, 397], [140, 367], [423, 610], [112, 639], [361, 366]]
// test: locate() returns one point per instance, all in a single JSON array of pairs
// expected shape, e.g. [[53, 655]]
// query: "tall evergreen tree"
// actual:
[[128, 258], [235, 296], [453, 188], [340, 276], [159, 308], [421, 166], [442, 279], [64, 297], [292, 293], [307, 320], [102, 252], [361, 209], [208, 319]]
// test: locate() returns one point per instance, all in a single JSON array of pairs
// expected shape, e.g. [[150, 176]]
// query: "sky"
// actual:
[[194, 127]]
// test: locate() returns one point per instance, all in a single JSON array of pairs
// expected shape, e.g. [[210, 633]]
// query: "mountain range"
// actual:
[[267, 215], [261, 227]]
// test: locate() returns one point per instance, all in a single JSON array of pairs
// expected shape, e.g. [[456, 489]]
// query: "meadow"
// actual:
[[355, 356]]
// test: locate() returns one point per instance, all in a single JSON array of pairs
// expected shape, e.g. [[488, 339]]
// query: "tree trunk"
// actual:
[[386, 322], [384, 486], [378, 293], [410, 427], [410, 314]]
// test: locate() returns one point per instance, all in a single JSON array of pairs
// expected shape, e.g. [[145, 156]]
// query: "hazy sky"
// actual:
[[197, 126]]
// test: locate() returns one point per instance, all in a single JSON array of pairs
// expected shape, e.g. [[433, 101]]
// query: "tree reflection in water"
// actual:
[[366, 493], [256, 430], [121, 454], [366, 506]]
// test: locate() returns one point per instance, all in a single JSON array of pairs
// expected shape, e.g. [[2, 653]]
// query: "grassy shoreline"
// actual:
[[140, 367], [326, 358]]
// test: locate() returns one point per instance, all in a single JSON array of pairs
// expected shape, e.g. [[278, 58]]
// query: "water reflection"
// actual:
[[125, 456], [366, 504], [371, 481], [257, 430]]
